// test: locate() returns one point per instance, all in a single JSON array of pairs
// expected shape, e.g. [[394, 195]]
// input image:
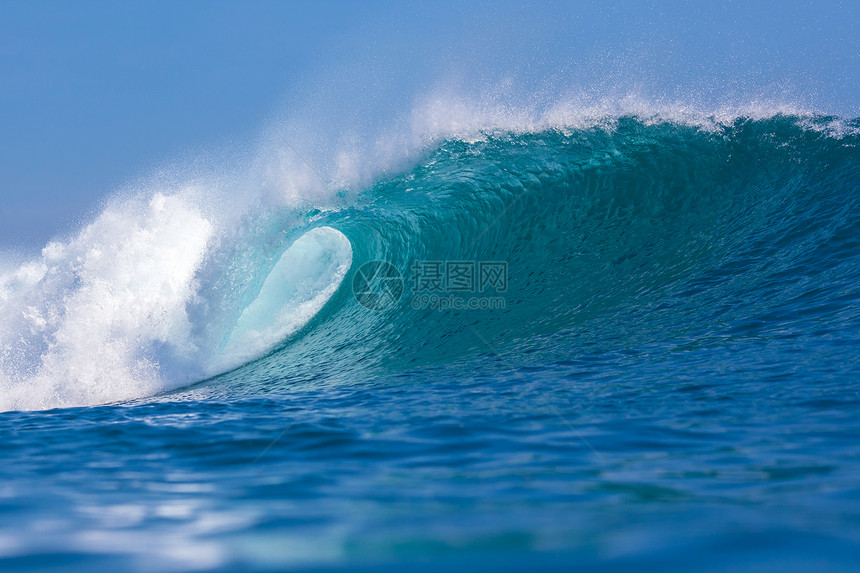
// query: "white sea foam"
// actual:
[[82, 324]]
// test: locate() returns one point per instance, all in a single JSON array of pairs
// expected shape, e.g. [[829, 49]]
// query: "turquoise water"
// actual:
[[667, 377]]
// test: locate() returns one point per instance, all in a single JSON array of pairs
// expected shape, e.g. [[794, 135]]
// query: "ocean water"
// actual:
[[625, 341]]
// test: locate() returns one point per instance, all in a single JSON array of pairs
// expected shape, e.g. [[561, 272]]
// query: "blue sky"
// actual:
[[94, 94]]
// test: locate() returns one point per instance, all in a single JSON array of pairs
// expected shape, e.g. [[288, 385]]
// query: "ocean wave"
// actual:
[[622, 225]]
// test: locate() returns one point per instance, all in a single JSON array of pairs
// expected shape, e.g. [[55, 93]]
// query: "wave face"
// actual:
[[619, 235], [629, 235]]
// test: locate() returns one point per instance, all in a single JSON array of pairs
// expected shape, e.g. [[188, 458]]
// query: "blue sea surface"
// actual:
[[666, 376]]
